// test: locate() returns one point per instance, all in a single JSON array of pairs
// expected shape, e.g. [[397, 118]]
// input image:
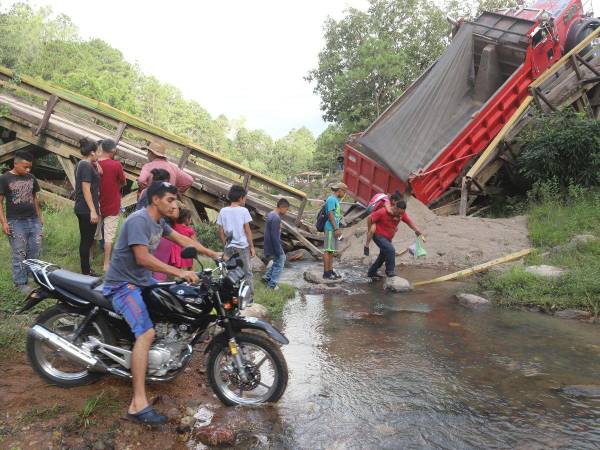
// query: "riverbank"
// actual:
[[566, 235]]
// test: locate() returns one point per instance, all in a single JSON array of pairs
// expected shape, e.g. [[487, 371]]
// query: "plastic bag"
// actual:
[[417, 250]]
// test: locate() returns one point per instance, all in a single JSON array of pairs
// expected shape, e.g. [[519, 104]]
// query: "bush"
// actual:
[[564, 146], [207, 234]]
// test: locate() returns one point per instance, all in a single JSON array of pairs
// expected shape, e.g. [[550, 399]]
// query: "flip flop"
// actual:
[[147, 416]]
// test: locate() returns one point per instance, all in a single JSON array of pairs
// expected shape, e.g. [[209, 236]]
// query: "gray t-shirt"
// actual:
[[233, 219], [138, 229], [88, 173]]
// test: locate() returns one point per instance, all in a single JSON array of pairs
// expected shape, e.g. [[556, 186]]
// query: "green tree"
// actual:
[[294, 152], [329, 146]]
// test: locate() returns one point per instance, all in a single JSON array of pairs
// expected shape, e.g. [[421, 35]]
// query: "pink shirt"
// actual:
[[179, 178], [176, 260]]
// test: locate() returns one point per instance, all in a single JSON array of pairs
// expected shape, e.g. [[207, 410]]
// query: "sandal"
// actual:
[[147, 416]]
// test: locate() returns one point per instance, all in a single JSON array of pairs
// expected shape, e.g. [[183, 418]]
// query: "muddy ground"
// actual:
[[36, 415]]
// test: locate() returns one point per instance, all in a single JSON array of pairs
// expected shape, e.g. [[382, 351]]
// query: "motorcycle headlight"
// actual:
[[244, 297]]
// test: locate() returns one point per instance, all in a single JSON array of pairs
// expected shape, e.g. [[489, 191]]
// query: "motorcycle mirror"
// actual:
[[189, 253]]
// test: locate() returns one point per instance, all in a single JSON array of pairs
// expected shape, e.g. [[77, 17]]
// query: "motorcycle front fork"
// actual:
[[234, 348]]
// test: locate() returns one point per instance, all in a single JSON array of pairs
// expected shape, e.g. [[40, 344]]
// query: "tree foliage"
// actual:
[[563, 145], [40, 44], [371, 57]]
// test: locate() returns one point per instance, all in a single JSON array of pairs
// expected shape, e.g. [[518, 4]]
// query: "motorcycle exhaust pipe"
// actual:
[[70, 350]]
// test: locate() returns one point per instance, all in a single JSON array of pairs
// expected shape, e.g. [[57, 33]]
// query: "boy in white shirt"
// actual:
[[234, 229]]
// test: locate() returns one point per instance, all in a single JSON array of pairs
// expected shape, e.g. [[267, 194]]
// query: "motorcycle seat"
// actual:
[[83, 286]]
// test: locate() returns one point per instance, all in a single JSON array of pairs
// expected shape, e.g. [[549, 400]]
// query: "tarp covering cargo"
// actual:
[[421, 123]]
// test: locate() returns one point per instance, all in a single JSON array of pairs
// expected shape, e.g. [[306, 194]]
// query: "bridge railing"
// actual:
[[125, 128]]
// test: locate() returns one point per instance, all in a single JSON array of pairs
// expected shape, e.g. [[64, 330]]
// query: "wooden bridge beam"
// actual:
[[8, 150], [50, 104]]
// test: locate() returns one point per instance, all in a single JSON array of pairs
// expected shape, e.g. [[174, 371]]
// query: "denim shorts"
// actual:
[[127, 300]]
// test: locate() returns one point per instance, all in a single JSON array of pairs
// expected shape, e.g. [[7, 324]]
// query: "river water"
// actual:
[[378, 370]]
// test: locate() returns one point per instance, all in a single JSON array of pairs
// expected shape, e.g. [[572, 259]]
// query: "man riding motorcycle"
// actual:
[[130, 270]]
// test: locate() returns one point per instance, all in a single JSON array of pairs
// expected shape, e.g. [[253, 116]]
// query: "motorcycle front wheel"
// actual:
[[265, 366]]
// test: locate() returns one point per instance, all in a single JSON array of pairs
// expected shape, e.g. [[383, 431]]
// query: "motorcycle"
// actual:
[[81, 337]]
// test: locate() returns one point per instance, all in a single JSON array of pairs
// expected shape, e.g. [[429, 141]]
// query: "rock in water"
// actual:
[[316, 277], [545, 271], [397, 284], [298, 255], [257, 264], [471, 300], [576, 314], [256, 310], [214, 436], [582, 390]]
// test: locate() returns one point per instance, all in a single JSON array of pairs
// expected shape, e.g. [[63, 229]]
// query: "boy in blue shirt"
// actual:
[[332, 229]]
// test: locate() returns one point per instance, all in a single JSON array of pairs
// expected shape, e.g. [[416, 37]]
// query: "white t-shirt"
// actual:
[[233, 219]]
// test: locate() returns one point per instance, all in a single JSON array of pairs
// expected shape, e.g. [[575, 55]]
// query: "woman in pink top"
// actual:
[[183, 225]]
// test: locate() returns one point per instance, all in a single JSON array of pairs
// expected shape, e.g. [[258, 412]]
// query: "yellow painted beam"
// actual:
[[486, 155], [476, 269]]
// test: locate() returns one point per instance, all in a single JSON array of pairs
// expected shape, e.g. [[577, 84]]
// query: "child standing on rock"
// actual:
[[273, 248], [332, 229], [386, 226]]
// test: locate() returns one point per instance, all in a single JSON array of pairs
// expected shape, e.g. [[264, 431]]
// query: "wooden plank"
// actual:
[[55, 200], [69, 169], [317, 253], [52, 101], [120, 131], [51, 187], [464, 197], [545, 99], [129, 199], [588, 65], [476, 269], [7, 150], [301, 211], [246, 181], [189, 204], [184, 158]]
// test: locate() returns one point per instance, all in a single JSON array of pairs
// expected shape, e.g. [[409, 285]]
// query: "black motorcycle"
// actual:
[[81, 338]]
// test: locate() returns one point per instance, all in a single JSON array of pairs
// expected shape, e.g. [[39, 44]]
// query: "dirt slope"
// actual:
[[450, 241]]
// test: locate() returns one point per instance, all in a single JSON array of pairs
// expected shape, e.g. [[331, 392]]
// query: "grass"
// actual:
[[273, 300], [552, 225], [102, 404]]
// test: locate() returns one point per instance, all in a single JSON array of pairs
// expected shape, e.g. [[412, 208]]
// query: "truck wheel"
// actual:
[[578, 31]]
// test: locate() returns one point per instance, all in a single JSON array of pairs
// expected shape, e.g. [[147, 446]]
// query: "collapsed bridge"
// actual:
[[49, 121]]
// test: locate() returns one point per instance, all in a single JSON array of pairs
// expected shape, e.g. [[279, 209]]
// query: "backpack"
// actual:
[[321, 218]]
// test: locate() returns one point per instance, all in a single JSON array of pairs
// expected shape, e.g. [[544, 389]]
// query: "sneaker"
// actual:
[[265, 280], [375, 277], [336, 275], [275, 288], [330, 276]]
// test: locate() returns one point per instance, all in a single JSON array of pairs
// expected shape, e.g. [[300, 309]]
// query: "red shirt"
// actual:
[[111, 180], [386, 225]]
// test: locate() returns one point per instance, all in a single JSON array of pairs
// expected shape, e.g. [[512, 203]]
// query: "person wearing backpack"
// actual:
[[333, 213], [386, 226]]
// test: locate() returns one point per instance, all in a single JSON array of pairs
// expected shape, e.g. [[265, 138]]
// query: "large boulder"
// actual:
[[545, 271], [582, 390], [215, 436], [256, 310], [316, 277], [576, 314], [472, 300], [397, 284]]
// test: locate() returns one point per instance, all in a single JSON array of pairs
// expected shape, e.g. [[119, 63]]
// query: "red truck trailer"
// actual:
[[450, 114]]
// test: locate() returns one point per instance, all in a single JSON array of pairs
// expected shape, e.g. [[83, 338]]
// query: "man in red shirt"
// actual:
[[112, 178], [386, 226]]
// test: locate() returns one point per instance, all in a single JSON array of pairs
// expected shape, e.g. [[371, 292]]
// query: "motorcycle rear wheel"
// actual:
[[48, 363], [265, 365]]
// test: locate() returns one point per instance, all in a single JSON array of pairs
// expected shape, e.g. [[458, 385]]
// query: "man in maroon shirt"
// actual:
[[111, 180], [386, 226]]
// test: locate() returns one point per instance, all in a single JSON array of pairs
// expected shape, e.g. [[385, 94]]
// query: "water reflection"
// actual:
[[391, 371]]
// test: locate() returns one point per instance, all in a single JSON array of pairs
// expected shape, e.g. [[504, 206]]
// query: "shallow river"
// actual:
[[375, 370]]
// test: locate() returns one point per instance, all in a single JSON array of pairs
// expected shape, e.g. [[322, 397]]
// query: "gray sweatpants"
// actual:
[[245, 256]]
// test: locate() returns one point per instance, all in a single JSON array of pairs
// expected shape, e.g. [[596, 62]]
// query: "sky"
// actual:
[[240, 58], [245, 59]]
